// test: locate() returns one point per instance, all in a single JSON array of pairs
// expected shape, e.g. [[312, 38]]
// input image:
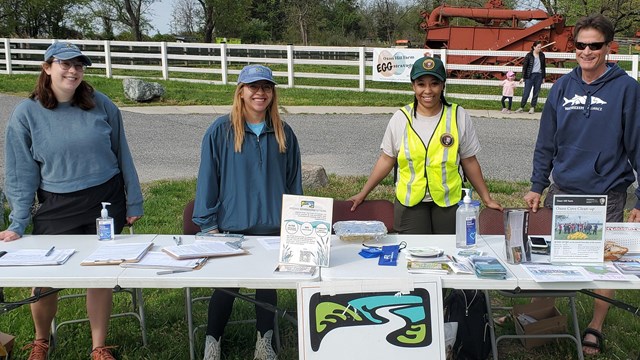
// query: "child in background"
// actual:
[[508, 86]]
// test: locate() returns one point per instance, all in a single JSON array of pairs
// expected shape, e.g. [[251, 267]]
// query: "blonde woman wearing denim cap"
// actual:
[[429, 128], [249, 159], [66, 143]]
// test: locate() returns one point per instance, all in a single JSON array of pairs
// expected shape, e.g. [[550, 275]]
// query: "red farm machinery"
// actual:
[[497, 29]]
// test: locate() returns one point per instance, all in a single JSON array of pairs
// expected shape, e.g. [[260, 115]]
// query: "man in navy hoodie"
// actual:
[[589, 139]]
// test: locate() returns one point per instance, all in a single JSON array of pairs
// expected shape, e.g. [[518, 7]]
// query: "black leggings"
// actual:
[[221, 305], [510, 98]]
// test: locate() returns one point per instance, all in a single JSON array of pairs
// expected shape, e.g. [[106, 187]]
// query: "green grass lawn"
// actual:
[[166, 324]]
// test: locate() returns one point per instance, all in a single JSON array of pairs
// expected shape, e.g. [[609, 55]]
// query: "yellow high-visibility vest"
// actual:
[[433, 167]]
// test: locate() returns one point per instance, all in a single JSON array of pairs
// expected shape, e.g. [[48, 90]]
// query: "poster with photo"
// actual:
[[578, 231], [305, 232]]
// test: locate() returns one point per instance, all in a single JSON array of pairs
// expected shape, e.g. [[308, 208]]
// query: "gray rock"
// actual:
[[314, 176], [139, 90]]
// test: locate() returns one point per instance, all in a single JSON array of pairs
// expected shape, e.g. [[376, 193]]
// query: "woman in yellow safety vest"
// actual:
[[430, 140]]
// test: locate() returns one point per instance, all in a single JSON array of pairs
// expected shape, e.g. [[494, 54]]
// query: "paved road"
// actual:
[[166, 146]]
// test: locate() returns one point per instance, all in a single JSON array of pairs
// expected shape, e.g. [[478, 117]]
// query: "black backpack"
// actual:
[[469, 309]]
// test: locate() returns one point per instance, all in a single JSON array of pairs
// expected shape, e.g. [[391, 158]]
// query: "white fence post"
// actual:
[[7, 55], [290, 65], [107, 59], [443, 57], [634, 66], [165, 60], [363, 68], [223, 63]]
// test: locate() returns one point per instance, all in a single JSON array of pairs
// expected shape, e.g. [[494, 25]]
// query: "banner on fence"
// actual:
[[358, 324], [395, 64]]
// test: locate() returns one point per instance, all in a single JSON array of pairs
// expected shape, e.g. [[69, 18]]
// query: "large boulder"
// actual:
[[140, 91], [314, 176]]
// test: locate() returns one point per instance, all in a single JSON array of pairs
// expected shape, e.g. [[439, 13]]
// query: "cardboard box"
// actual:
[[7, 342], [550, 321]]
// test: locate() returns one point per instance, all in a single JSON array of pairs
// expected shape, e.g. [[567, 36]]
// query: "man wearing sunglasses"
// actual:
[[589, 139]]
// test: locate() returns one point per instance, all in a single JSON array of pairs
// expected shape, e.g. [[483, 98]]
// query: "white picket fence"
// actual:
[[173, 59]]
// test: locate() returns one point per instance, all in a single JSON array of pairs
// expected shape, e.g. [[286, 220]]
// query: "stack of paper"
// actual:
[[488, 267], [203, 248], [424, 267], [113, 253], [161, 260], [31, 257]]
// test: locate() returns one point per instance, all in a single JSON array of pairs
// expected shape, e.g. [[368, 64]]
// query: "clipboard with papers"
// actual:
[[204, 248], [162, 260], [35, 257], [117, 253]]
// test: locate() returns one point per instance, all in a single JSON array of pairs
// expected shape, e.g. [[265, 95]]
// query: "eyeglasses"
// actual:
[[254, 87], [593, 46], [66, 65]]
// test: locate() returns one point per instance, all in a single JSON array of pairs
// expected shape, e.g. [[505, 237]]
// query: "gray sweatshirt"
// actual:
[[65, 150]]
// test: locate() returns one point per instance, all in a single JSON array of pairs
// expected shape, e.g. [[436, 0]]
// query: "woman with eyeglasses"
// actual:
[[66, 145], [249, 159], [588, 140], [533, 74]]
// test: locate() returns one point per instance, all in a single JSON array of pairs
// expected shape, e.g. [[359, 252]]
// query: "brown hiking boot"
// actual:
[[39, 349], [102, 353]]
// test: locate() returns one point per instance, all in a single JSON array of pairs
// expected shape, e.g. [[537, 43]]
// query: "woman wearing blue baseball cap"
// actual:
[[430, 140], [249, 159], [66, 143]]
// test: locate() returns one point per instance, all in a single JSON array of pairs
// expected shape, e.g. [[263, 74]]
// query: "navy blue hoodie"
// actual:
[[589, 134]]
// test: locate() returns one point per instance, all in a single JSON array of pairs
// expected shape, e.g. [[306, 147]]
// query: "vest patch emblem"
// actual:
[[446, 140]]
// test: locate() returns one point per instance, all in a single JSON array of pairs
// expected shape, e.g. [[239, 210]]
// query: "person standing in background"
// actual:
[[508, 86], [533, 74], [66, 143]]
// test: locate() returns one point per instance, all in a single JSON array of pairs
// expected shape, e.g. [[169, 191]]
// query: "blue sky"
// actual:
[[162, 16]]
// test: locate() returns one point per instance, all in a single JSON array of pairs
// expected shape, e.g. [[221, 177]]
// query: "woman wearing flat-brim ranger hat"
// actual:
[[431, 140]]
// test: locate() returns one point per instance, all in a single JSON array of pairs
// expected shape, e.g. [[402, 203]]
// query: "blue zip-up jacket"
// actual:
[[589, 134], [242, 192]]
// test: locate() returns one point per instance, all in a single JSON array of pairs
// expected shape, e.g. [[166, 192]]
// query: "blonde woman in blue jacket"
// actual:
[[249, 159]]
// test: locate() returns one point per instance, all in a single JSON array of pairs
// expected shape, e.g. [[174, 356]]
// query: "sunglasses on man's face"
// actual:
[[592, 46]]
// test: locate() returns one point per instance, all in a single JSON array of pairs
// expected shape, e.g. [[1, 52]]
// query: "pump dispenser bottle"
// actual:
[[466, 222], [104, 224]]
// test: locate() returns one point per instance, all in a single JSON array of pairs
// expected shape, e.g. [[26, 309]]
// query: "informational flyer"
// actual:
[[625, 235], [305, 233], [554, 273], [394, 65], [578, 228]]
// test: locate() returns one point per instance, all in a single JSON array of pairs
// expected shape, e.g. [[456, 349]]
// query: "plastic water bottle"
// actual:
[[466, 222]]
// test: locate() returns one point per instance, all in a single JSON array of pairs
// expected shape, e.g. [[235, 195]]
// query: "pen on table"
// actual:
[[50, 251], [452, 258], [167, 272]]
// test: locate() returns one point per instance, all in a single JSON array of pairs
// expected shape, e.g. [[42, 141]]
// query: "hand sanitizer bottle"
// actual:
[[104, 224], [466, 221]]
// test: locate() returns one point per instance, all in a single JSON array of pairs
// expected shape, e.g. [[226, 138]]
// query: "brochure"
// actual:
[[488, 267], [33, 257], [516, 229], [631, 267], [606, 272], [578, 228], [556, 273], [420, 267], [305, 234]]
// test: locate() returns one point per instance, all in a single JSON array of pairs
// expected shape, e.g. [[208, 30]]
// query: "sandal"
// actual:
[[598, 344], [501, 320]]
